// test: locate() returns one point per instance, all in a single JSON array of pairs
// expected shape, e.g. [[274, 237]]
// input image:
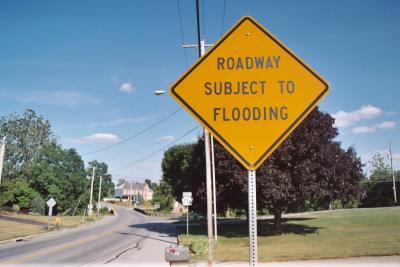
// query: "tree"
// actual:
[[120, 181], [162, 196], [58, 173], [380, 170], [17, 192], [309, 165], [379, 186], [26, 135], [176, 166], [38, 205]]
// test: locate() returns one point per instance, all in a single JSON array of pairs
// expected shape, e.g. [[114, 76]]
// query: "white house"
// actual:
[[128, 190]]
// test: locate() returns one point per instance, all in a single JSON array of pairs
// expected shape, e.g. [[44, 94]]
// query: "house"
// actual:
[[178, 207], [128, 190]]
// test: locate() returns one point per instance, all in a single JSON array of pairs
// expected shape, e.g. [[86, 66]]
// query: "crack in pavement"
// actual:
[[136, 246]]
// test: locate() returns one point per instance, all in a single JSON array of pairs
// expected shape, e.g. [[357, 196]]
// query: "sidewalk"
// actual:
[[387, 261]]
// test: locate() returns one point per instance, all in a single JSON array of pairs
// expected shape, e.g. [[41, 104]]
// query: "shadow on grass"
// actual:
[[264, 227]]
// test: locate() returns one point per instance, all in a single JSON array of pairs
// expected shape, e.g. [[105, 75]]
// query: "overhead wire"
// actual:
[[131, 150], [203, 6], [182, 30], [223, 18], [157, 151], [134, 135]]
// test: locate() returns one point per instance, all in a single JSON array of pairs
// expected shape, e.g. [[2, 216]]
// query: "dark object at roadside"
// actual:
[[141, 211]]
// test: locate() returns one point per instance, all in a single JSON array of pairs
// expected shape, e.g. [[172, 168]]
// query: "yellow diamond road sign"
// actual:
[[250, 91]]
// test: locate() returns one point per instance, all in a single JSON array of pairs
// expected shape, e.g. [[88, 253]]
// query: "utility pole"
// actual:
[[2, 149], [201, 45], [90, 208], [391, 165], [98, 202], [202, 51], [131, 194]]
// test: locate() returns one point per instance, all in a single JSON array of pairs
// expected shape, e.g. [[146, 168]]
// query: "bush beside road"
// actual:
[[339, 234]]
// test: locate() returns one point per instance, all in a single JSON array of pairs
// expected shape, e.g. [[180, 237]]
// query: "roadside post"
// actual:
[[187, 201], [90, 205], [250, 91], [2, 150]]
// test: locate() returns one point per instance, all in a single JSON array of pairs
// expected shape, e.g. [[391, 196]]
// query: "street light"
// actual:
[[159, 92]]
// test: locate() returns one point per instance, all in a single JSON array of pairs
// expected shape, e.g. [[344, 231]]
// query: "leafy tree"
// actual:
[[162, 196], [379, 186], [17, 192], [309, 165], [380, 170], [120, 181], [58, 173], [176, 166], [38, 205], [26, 135]]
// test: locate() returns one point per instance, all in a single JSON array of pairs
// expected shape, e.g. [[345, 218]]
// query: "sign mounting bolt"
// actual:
[[247, 33]]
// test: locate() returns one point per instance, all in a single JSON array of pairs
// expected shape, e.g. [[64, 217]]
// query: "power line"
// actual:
[[136, 134], [130, 150], [158, 151], [223, 18], [203, 6], [182, 30]]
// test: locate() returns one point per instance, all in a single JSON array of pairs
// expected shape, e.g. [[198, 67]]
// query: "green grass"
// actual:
[[340, 234], [9, 229]]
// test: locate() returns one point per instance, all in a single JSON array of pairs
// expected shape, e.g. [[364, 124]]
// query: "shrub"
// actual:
[[104, 211], [15, 207], [38, 205], [198, 247]]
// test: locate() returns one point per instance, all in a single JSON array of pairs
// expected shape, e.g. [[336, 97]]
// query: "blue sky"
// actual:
[[91, 68]]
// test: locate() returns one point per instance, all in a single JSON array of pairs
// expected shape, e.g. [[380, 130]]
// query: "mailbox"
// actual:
[[176, 254]]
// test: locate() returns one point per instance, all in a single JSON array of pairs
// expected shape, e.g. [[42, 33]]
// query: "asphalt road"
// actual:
[[128, 238]]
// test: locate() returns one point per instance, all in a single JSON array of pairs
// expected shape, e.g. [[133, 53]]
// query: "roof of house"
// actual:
[[132, 185]]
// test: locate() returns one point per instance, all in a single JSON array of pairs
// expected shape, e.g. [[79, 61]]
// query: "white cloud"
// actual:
[[370, 129], [94, 138], [64, 98], [344, 119], [386, 125], [126, 87], [364, 129], [166, 138], [121, 121]]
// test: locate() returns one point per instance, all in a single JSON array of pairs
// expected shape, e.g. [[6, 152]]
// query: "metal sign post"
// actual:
[[252, 217], [187, 201], [187, 221]]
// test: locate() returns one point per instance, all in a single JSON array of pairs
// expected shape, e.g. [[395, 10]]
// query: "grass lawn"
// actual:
[[340, 234], [10, 229]]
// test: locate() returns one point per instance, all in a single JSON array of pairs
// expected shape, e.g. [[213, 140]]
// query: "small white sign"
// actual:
[[187, 201], [51, 202], [187, 194]]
